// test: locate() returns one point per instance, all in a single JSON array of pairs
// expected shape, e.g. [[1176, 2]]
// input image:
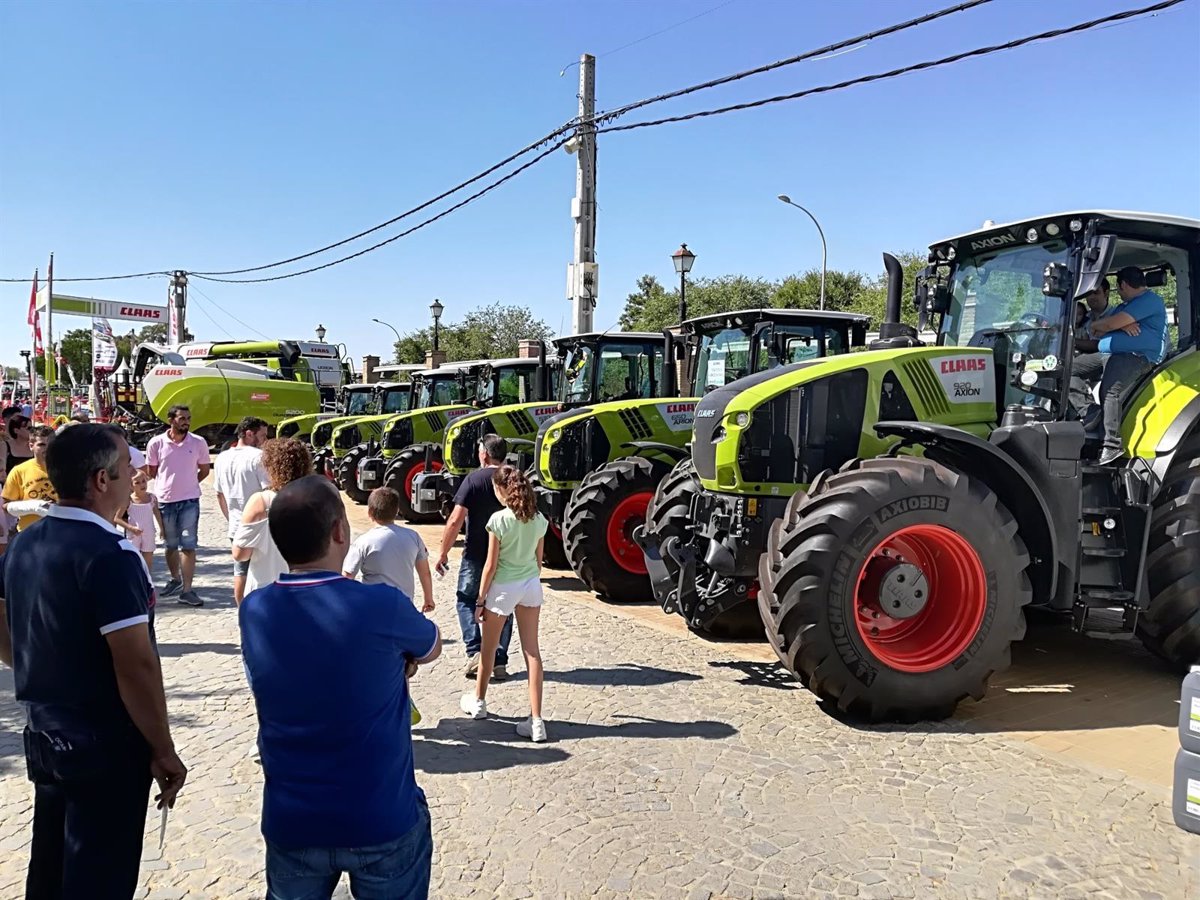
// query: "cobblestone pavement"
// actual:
[[674, 769]]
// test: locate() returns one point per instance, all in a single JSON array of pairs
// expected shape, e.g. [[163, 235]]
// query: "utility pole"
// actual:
[[176, 307], [583, 277]]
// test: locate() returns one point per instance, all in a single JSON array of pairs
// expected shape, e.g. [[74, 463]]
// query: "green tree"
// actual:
[[652, 308], [76, 348], [842, 290], [649, 295], [149, 334], [487, 332]]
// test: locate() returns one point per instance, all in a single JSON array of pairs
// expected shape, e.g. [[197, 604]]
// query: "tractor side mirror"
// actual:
[[932, 293], [1097, 260], [1056, 280]]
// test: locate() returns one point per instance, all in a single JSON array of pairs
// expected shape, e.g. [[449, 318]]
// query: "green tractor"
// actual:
[[520, 406], [360, 401], [951, 487], [410, 444], [598, 466]]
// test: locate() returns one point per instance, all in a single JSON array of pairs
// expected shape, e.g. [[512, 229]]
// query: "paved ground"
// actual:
[[676, 768]]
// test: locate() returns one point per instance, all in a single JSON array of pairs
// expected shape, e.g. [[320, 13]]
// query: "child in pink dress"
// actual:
[[140, 516]]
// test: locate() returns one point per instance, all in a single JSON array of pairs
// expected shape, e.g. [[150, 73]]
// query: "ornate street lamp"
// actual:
[[683, 259], [435, 310]]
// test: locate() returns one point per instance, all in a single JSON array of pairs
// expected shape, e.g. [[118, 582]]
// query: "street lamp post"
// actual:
[[435, 309], [25, 354], [824, 248], [683, 259], [395, 350], [321, 334]]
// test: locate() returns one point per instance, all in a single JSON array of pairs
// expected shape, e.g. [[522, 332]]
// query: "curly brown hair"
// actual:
[[515, 492], [285, 460]]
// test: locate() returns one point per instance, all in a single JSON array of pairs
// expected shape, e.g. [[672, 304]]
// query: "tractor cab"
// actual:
[[729, 346], [600, 368], [506, 382]]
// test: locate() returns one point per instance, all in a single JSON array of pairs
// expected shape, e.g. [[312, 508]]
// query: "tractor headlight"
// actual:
[[742, 419], [718, 435], [1031, 236], [555, 434]]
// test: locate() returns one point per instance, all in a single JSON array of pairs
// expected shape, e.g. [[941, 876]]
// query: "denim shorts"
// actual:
[[180, 521], [397, 870], [241, 567]]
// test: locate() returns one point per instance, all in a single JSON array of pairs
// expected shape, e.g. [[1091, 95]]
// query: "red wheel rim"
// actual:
[[630, 513], [954, 605], [416, 470], [555, 530]]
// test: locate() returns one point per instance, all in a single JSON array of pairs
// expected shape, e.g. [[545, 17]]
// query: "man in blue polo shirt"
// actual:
[[1126, 343], [77, 629], [328, 661]]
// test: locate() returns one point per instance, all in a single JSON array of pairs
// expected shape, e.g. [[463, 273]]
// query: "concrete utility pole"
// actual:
[[583, 278], [177, 307]]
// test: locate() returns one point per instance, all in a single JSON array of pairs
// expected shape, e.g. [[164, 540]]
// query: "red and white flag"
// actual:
[[33, 318]]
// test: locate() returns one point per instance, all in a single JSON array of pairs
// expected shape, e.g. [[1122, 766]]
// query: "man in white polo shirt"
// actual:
[[239, 475]]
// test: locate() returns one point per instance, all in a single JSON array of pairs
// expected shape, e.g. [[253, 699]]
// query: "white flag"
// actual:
[[104, 348]]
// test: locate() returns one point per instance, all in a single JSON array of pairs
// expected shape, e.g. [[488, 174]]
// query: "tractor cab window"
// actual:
[[439, 391], [358, 403], [501, 387], [800, 343], [612, 372], [395, 401], [724, 356]]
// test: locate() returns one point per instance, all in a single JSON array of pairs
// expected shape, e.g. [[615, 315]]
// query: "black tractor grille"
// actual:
[[398, 435], [929, 389], [636, 423], [436, 421], [521, 422], [288, 429], [347, 437], [463, 453], [321, 435], [567, 461]]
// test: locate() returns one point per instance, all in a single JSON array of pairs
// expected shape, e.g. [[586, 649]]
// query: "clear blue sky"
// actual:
[[212, 135]]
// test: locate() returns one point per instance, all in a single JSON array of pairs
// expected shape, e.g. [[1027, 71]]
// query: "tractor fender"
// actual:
[[673, 453], [976, 457], [1164, 453]]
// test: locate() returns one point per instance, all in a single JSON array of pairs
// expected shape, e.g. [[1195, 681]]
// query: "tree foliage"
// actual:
[[76, 347], [653, 307], [487, 332]]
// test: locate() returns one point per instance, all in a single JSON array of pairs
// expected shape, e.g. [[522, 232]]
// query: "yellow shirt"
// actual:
[[28, 481]]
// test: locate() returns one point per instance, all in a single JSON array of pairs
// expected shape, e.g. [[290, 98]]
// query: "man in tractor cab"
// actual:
[[1126, 342]]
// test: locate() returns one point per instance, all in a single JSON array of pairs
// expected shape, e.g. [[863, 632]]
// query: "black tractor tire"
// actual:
[[408, 463], [863, 524], [1170, 625], [347, 474], [605, 558]]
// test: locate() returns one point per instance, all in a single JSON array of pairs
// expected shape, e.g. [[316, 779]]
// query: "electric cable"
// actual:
[[193, 287]]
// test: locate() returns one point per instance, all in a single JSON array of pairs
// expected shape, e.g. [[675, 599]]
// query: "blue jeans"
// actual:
[[397, 870], [469, 574], [1116, 373], [180, 521]]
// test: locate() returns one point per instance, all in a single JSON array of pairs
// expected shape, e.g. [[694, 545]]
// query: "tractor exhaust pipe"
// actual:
[[543, 374], [669, 370], [895, 287]]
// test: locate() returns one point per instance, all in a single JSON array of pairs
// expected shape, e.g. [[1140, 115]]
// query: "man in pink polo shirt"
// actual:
[[178, 461]]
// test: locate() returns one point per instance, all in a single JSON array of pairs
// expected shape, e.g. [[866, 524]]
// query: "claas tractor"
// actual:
[[411, 444], [352, 400], [952, 487], [515, 407], [361, 401], [599, 465]]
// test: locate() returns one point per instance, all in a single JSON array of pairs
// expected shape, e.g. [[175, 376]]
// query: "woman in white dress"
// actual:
[[285, 460]]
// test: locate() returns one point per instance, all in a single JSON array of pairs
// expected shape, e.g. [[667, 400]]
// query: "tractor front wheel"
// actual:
[[347, 474], [403, 472], [1170, 625], [895, 588], [598, 526]]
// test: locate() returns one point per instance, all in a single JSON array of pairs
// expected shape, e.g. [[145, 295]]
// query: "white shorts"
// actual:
[[502, 599]]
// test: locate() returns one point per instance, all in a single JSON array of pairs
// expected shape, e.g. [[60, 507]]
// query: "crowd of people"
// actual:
[[77, 575]]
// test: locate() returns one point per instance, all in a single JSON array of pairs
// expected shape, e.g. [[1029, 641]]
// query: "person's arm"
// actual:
[[426, 578], [205, 468], [6, 653], [417, 637], [354, 560], [157, 514], [224, 505], [489, 573], [139, 682], [454, 525], [246, 537], [152, 458], [1112, 322], [541, 552], [204, 460]]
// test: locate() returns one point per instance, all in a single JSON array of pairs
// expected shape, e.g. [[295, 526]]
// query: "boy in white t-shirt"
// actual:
[[239, 476], [390, 553]]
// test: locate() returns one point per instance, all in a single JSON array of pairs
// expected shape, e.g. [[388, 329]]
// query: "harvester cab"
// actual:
[[598, 466], [411, 444], [924, 496], [512, 403], [219, 393]]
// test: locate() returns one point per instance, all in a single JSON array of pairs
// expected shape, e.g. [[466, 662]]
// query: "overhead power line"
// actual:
[[471, 199], [904, 70], [97, 278], [194, 288]]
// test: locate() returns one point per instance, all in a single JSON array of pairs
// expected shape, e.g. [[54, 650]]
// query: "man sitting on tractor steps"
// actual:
[[1126, 342]]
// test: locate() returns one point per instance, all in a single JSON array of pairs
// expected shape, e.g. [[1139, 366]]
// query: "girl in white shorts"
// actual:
[[511, 584]]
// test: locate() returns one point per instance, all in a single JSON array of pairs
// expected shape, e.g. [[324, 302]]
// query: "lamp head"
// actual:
[[785, 198], [683, 259], [435, 309]]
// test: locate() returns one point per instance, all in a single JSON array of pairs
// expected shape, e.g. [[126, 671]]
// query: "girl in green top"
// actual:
[[511, 583]]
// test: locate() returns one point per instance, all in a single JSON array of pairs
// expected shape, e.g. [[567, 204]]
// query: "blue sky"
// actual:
[[213, 135]]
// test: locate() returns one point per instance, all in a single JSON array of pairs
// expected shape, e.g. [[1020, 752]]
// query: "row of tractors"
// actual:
[[886, 512]]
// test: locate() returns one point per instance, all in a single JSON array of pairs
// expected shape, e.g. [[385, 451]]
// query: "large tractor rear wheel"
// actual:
[[1170, 626], [598, 527], [895, 588], [403, 471], [347, 474]]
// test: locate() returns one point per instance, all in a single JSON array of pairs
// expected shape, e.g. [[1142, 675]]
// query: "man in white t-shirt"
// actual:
[[390, 553], [240, 475]]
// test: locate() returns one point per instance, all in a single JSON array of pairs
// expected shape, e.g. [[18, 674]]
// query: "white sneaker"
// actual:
[[472, 666], [473, 706], [534, 729]]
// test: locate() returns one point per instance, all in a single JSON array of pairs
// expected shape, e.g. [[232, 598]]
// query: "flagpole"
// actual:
[[52, 362]]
